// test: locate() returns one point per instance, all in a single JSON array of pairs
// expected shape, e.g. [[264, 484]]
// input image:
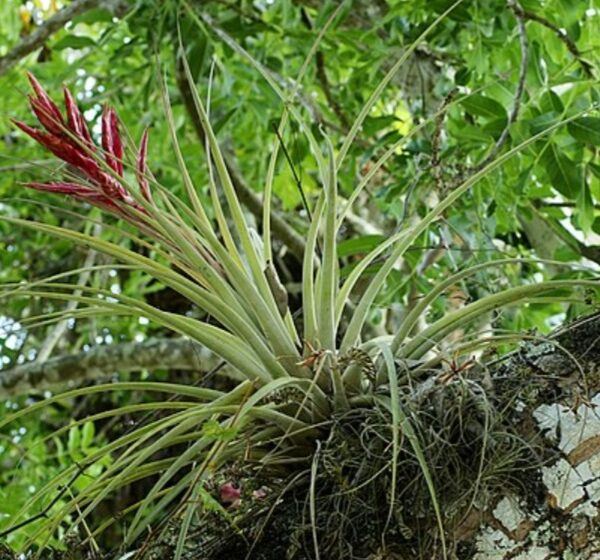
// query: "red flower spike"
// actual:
[[62, 148], [70, 140], [142, 168], [111, 140], [36, 134]]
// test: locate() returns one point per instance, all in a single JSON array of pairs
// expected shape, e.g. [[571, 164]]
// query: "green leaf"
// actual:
[[586, 130], [357, 245], [594, 168], [536, 69], [209, 503], [482, 106], [530, 4], [495, 126], [212, 429], [467, 131], [585, 209], [460, 13], [564, 173], [74, 42], [462, 76], [97, 15], [88, 431], [550, 101], [543, 121], [372, 125]]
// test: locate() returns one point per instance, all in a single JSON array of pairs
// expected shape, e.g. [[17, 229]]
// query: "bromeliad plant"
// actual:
[[356, 443]]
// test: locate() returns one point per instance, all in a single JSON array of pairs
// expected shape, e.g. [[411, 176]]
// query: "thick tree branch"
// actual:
[[36, 40], [104, 361]]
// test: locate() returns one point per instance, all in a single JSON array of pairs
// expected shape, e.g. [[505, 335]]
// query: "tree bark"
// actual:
[[558, 516], [103, 362], [36, 40]]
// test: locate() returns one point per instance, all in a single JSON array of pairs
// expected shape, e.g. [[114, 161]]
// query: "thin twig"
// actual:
[[322, 76], [436, 168], [562, 35], [292, 167], [518, 12], [53, 502], [59, 329]]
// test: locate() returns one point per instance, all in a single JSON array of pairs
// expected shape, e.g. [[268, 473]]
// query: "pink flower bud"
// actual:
[[50, 108], [75, 120], [230, 494]]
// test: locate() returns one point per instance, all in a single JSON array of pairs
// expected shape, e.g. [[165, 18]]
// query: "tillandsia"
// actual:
[[321, 409]]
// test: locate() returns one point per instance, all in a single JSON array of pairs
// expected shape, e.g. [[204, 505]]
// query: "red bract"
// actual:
[[70, 140], [111, 141]]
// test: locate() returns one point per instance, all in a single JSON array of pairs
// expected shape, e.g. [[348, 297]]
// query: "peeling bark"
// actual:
[[559, 516]]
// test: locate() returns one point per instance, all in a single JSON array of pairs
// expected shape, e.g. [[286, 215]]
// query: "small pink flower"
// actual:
[[230, 494], [70, 140]]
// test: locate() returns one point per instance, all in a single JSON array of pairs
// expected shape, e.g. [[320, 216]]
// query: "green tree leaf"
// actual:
[[585, 209], [586, 130], [485, 107], [564, 173], [74, 42]]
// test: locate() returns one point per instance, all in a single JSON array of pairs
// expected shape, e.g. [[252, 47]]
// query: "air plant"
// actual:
[[323, 409]]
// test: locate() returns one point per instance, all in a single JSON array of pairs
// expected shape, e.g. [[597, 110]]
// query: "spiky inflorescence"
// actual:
[[70, 140]]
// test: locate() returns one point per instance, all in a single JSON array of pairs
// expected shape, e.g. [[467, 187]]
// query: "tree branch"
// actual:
[[57, 333], [104, 361], [590, 252], [436, 161], [322, 76], [37, 39], [518, 12], [568, 42]]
